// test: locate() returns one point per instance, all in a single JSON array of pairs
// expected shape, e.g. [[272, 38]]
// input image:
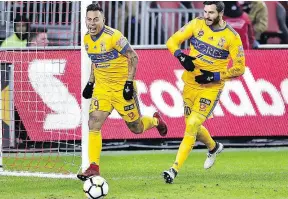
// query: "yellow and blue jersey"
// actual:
[[212, 50], [106, 52]]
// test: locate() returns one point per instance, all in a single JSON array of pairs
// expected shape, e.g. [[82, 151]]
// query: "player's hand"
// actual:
[[88, 90], [186, 61], [207, 77], [128, 90]]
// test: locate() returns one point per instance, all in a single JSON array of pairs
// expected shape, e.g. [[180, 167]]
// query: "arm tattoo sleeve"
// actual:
[[132, 63]]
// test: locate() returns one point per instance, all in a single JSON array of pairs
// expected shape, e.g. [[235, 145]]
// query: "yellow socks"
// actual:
[[148, 122], [94, 146], [185, 147], [193, 123], [203, 136]]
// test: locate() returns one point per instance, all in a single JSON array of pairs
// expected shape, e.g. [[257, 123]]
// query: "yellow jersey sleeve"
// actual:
[[119, 42], [180, 36], [237, 54], [87, 42]]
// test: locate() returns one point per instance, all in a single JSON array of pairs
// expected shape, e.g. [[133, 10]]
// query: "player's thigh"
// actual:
[[101, 101], [189, 95], [206, 101], [129, 110], [100, 108], [193, 123], [97, 119]]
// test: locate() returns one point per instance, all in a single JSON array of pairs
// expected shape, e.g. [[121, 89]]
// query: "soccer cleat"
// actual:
[[162, 127], [211, 155], [169, 175], [93, 170]]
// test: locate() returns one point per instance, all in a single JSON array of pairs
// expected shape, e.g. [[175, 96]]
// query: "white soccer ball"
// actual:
[[96, 187]]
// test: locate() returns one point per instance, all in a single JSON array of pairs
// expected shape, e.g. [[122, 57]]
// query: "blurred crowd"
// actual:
[[25, 36], [41, 24], [257, 22]]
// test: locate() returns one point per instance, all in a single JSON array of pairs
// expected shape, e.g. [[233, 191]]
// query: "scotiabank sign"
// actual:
[[47, 96]]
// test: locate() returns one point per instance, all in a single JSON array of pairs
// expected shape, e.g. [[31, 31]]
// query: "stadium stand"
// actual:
[[277, 31], [59, 18]]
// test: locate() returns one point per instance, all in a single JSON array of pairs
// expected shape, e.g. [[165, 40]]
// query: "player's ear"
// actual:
[[103, 19], [221, 13]]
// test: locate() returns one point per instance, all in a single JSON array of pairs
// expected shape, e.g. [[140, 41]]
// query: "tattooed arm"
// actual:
[[132, 62]]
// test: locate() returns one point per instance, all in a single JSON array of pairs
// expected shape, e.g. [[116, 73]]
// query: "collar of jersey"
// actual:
[[98, 35], [218, 29]]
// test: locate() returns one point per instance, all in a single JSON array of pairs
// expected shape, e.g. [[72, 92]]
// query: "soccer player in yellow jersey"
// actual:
[[212, 43], [113, 70]]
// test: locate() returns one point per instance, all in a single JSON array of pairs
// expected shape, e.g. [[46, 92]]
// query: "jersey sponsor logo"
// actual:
[[200, 56], [205, 101], [205, 60], [102, 65], [129, 107], [103, 57], [209, 50]]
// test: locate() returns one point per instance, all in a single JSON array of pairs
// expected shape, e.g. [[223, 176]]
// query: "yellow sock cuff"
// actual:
[[94, 132], [148, 122], [155, 121]]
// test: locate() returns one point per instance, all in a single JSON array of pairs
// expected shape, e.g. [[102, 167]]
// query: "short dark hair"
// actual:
[[220, 6], [94, 7], [21, 18], [35, 31]]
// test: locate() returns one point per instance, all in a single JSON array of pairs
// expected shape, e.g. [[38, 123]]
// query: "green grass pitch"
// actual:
[[237, 174]]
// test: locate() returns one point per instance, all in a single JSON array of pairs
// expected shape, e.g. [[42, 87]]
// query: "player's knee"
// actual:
[[136, 130], [192, 125], [135, 127]]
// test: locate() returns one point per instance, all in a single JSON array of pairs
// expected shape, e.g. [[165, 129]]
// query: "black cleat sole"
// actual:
[[167, 178], [82, 177]]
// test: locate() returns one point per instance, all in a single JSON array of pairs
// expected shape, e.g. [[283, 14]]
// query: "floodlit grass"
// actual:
[[251, 173]]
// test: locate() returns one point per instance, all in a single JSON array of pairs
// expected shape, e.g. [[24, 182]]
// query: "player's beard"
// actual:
[[215, 21]]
